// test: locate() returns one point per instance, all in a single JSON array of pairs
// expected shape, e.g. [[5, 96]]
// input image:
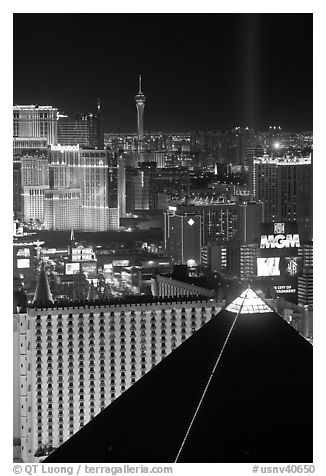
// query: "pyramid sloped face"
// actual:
[[257, 408], [248, 303]]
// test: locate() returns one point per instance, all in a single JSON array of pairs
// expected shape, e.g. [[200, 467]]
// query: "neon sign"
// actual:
[[285, 289], [280, 241]]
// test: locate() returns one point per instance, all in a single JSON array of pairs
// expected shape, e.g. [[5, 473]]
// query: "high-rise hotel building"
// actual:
[[225, 221], [35, 122], [17, 188], [183, 237], [305, 279], [84, 189], [83, 129], [34, 127], [284, 185], [74, 360], [34, 183]]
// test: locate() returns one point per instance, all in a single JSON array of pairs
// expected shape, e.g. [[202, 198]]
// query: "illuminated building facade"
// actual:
[[121, 186], [75, 360], [225, 221], [174, 182], [34, 182], [99, 190], [183, 237], [305, 288], [159, 159], [17, 188], [251, 216], [248, 261], [305, 280], [147, 187], [138, 190], [34, 170], [90, 176], [284, 184], [33, 202], [25, 145], [226, 224], [35, 122], [214, 257], [219, 221], [83, 129], [62, 209]]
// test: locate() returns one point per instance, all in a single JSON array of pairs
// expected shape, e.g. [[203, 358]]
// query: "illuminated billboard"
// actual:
[[268, 266], [120, 262], [23, 263], [292, 265], [49, 251], [72, 268], [24, 252], [90, 269], [82, 254]]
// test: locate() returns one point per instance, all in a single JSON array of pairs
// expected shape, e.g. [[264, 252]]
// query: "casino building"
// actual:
[[75, 359], [238, 390], [84, 190]]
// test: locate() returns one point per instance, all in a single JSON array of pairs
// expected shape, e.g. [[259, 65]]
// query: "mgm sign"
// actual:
[[279, 239]]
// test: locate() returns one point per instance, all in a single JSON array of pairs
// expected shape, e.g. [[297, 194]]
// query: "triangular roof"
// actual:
[[42, 293], [238, 390], [249, 303]]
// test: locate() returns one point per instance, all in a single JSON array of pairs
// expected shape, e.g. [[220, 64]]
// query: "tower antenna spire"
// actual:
[[139, 79]]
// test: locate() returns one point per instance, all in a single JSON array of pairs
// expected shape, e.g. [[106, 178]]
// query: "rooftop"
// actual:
[[286, 160], [33, 106], [128, 300]]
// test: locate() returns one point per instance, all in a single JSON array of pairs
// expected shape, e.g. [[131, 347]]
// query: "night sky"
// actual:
[[200, 71]]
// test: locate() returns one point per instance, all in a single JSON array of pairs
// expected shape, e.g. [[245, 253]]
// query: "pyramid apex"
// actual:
[[249, 303]]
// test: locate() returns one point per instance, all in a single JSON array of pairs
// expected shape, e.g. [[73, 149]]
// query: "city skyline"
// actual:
[[162, 201], [240, 72]]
